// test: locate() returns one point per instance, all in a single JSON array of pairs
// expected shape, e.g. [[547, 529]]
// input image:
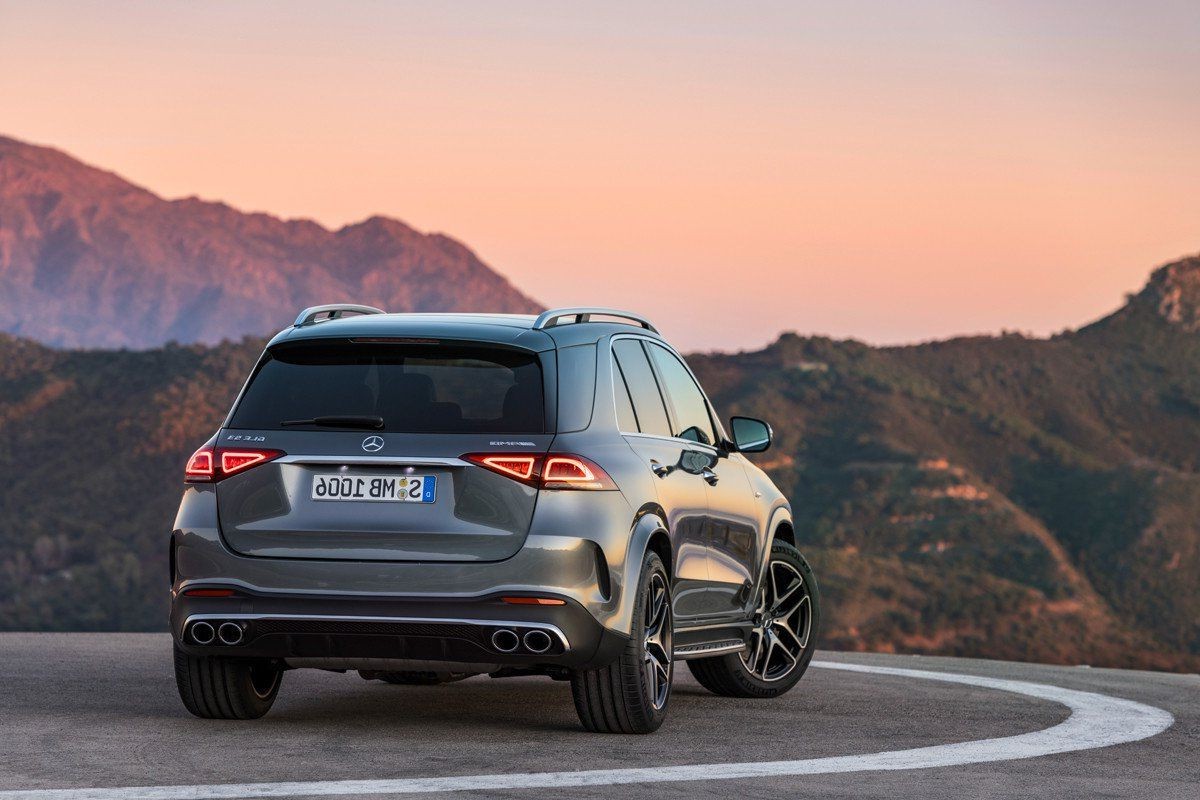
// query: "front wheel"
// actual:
[[630, 695], [786, 621]]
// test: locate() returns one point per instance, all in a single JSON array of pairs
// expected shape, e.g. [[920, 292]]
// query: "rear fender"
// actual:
[[629, 573]]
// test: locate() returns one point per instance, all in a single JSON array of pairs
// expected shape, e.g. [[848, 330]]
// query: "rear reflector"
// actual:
[[549, 471], [534, 601], [211, 464], [208, 592]]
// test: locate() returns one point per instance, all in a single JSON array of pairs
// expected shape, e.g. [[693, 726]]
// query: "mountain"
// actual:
[[1004, 497], [999, 496], [87, 259]]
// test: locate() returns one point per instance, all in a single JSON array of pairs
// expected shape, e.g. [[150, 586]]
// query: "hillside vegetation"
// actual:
[[993, 496], [1004, 497]]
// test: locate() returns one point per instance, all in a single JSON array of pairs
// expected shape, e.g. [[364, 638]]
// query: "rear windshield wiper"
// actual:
[[365, 422]]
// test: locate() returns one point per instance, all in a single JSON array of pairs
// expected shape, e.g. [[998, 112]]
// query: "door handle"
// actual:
[[710, 476], [660, 469]]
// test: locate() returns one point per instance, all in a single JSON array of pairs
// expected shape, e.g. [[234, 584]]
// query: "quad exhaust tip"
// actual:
[[229, 633], [203, 633], [505, 640], [537, 641]]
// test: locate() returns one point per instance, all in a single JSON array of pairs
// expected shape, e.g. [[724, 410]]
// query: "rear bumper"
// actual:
[[304, 609], [324, 629]]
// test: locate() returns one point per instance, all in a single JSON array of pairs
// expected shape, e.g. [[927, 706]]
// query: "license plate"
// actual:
[[374, 488]]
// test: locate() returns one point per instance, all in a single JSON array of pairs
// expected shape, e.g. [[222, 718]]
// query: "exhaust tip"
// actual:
[[505, 640], [230, 633], [538, 641], [202, 632]]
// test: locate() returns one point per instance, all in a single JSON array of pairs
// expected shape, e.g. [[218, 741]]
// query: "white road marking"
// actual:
[[1096, 720]]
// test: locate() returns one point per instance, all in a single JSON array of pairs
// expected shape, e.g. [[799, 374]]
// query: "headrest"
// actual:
[[414, 388]]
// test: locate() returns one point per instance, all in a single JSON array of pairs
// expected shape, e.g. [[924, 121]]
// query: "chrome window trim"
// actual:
[[674, 440]]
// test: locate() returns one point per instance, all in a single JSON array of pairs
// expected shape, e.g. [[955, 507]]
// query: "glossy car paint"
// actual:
[[583, 546]]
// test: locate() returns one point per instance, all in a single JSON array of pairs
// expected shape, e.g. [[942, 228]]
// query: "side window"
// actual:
[[576, 386], [691, 412], [643, 387], [626, 418]]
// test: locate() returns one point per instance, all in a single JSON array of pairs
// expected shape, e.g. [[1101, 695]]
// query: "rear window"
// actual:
[[414, 388]]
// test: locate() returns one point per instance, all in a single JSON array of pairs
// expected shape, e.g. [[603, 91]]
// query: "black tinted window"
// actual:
[[415, 389], [691, 412], [643, 387]]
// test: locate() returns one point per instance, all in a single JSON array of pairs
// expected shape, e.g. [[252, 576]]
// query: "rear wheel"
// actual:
[[630, 695], [786, 620], [217, 687]]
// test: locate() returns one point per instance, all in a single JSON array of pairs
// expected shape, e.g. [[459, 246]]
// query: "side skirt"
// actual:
[[711, 640]]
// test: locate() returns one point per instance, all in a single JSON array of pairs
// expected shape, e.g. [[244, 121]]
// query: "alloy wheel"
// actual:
[[656, 642], [783, 623]]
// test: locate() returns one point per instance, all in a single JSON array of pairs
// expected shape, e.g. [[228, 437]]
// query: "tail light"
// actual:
[[548, 471], [210, 464]]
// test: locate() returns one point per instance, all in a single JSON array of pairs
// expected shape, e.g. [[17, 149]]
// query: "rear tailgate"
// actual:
[[468, 514], [371, 435]]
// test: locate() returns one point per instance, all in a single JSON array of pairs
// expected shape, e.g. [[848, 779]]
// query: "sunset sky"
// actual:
[[889, 171]]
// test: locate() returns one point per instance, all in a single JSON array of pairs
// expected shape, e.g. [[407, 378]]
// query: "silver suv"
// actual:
[[425, 497]]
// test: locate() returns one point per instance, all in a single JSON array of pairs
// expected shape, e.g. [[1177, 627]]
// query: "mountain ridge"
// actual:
[[1172, 292], [144, 270]]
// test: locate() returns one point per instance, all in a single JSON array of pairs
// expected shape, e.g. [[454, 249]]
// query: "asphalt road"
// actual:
[[100, 710]]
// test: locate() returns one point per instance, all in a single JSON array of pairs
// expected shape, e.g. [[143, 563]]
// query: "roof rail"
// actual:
[[309, 316], [548, 319]]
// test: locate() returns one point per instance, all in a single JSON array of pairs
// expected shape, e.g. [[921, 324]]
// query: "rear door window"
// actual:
[[626, 418], [643, 387], [413, 388]]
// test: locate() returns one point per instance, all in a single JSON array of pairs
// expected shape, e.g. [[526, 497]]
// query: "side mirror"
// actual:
[[750, 435]]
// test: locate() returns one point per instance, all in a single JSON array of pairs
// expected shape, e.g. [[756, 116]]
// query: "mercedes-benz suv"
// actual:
[[425, 497]]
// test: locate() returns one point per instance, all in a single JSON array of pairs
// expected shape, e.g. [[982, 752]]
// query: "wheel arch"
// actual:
[[781, 528], [784, 532], [659, 539], [651, 522], [649, 532]]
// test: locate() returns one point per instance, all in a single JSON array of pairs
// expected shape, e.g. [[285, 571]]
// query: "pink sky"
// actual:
[[892, 172]]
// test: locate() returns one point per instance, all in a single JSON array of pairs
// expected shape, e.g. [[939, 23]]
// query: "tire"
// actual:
[[217, 687], [414, 678], [749, 674], [631, 694]]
